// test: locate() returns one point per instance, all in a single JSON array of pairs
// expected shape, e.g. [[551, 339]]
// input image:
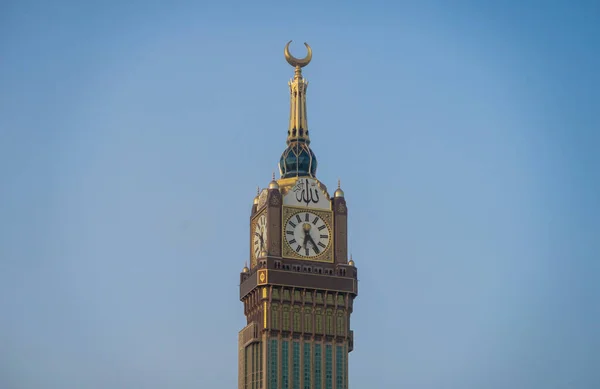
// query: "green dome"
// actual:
[[298, 160]]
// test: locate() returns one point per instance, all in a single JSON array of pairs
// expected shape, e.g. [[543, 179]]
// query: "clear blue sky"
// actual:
[[133, 136]]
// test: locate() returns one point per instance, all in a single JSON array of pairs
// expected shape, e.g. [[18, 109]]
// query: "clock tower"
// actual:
[[299, 290]]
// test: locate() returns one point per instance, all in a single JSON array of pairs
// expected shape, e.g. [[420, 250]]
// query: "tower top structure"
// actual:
[[298, 160]]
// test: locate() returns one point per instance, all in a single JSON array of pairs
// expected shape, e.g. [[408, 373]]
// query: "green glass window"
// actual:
[[273, 364], [328, 367], [318, 366], [339, 367], [284, 365], [307, 367], [296, 365]]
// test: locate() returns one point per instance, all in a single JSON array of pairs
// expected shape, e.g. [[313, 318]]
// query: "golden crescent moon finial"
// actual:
[[295, 62]]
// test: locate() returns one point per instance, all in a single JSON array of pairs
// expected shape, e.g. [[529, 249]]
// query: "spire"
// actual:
[[273, 184], [298, 127], [339, 192], [298, 160]]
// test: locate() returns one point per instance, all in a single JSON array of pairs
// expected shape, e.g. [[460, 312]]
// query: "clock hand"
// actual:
[[312, 241], [306, 236], [306, 229]]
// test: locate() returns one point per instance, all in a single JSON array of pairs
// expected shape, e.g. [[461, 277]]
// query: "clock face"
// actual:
[[307, 234], [259, 236]]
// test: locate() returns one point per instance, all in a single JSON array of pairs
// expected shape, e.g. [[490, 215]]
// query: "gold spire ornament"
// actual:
[[298, 128], [273, 184], [295, 62], [339, 192], [298, 160]]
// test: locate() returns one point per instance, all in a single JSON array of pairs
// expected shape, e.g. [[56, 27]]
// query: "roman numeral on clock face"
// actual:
[[298, 218], [298, 248], [291, 223], [321, 244], [315, 220], [323, 226], [324, 236], [290, 232], [292, 241]]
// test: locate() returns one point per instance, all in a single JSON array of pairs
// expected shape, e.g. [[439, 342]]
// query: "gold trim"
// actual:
[[265, 311], [325, 215], [262, 277]]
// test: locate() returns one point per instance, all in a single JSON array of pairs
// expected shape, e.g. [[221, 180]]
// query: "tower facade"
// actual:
[[299, 290]]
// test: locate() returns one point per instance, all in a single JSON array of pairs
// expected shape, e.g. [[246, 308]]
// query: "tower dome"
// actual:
[[339, 192], [298, 160], [273, 184]]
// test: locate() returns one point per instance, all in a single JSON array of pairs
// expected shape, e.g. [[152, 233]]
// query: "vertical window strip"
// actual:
[[318, 384], [319, 320], [346, 365], [284, 365], [328, 368], [252, 367], [307, 366], [296, 365], [275, 317], [273, 365], [260, 365], [286, 318], [297, 320], [339, 367], [246, 367], [307, 320], [255, 346]]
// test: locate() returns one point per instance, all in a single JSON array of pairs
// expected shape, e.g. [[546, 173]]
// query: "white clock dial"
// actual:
[[259, 236], [307, 234]]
